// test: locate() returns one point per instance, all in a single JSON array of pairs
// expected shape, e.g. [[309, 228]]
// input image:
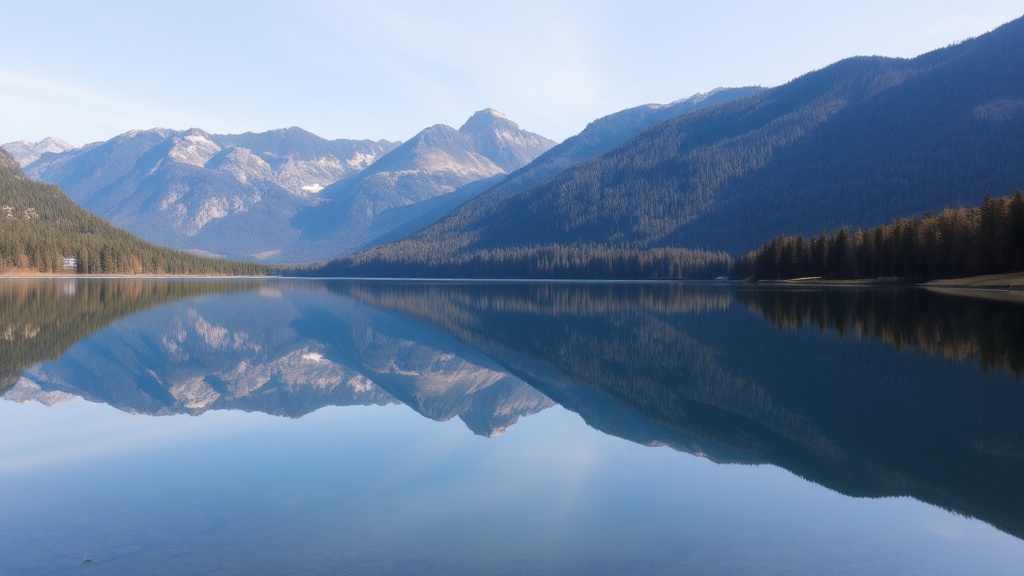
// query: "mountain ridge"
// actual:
[[26, 152], [856, 143], [43, 230], [253, 196], [439, 165], [204, 192], [597, 137]]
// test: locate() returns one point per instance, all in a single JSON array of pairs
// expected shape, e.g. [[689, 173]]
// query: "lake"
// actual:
[[330, 427]]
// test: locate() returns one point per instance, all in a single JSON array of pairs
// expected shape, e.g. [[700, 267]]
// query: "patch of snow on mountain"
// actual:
[[218, 337], [174, 192], [194, 393], [194, 148], [443, 373], [246, 378], [211, 209], [474, 165], [360, 383], [246, 167], [25, 391], [447, 372], [307, 177], [172, 343], [360, 160], [295, 369], [25, 152]]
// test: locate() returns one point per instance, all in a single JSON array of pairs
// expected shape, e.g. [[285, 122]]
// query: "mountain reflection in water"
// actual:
[[870, 392]]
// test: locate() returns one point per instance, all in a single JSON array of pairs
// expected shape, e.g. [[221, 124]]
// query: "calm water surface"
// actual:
[[306, 427]]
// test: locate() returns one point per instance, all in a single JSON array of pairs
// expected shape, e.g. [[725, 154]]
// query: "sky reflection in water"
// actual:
[[383, 489]]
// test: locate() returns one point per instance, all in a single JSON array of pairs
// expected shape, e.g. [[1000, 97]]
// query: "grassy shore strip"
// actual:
[[1014, 280], [1001, 287], [22, 273], [819, 281]]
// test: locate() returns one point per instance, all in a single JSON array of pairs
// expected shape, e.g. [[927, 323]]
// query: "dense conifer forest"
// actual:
[[42, 230], [553, 261], [958, 242]]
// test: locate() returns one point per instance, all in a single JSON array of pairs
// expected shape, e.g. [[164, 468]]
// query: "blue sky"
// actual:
[[87, 71]]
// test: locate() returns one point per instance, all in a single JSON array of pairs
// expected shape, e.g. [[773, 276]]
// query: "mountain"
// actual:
[[454, 231], [26, 152], [225, 195], [41, 229], [302, 162], [430, 174], [285, 195], [857, 143], [496, 137]]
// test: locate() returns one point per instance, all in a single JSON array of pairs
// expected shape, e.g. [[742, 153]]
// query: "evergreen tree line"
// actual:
[[552, 261], [959, 242], [40, 227]]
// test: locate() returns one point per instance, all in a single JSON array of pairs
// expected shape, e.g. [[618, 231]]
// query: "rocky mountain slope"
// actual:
[[284, 195], [226, 195], [455, 230], [422, 179], [25, 152]]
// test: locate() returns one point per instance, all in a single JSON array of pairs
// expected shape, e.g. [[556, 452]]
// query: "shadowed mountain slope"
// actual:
[[857, 143]]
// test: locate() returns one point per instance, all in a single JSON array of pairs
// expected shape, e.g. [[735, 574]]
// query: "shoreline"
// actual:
[[45, 275], [1006, 283], [1002, 287]]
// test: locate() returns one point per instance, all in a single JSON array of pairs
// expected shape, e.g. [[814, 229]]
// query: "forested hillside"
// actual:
[[958, 242], [857, 144], [456, 230], [40, 227]]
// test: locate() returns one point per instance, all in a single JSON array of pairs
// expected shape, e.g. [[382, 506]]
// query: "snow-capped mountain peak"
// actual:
[[193, 147], [25, 152]]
